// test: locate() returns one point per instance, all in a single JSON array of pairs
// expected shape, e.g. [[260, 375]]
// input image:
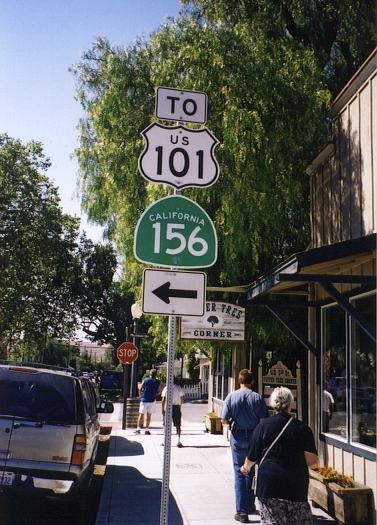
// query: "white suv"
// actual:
[[49, 429]]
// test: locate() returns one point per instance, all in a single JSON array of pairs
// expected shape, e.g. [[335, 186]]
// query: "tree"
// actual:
[[262, 97], [341, 34], [269, 92], [104, 304], [38, 264]]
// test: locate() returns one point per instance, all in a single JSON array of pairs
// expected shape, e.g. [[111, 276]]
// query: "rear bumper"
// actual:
[[60, 481], [27, 483]]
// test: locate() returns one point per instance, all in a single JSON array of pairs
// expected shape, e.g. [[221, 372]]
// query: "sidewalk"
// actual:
[[201, 479]]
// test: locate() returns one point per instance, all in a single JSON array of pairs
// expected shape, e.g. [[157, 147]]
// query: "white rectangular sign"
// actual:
[[182, 106], [221, 321], [174, 293]]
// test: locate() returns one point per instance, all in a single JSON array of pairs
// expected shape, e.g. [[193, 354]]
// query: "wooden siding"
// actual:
[[362, 265], [343, 185]]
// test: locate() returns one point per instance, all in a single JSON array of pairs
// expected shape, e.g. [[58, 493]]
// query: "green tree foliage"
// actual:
[[341, 34], [104, 304], [38, 264], [266, 108], [269, 77]]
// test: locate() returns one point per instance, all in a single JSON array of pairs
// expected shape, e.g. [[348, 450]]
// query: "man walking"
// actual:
[[149, 389], [243, 408]]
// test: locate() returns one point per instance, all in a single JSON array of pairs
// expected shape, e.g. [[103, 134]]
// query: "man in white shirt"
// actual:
[[178, 399]]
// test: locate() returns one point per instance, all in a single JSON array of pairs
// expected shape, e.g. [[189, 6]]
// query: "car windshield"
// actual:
[[41, 397]]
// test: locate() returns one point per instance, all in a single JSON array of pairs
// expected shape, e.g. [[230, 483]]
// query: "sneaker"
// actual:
[[147, 433], [243, 518], [137, 431], [179, 444]]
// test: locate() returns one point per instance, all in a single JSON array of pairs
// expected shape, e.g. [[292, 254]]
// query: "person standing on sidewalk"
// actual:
[[283, 447], [243, 408], [177, 401], [149, 389]]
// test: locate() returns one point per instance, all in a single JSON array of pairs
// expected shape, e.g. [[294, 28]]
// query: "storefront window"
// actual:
[[334, 371], [363, 375]]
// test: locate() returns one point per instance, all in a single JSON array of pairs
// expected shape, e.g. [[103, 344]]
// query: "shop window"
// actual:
[[334, 372], [363, 375], [348, 401]]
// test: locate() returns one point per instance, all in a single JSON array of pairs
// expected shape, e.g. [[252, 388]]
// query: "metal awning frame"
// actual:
[[326, 281], [293, 271]]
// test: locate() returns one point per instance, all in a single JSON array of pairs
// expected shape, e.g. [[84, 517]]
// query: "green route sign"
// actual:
[[175, 232]]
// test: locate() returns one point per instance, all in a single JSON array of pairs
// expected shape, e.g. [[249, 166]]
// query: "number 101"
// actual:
[[186, 162]]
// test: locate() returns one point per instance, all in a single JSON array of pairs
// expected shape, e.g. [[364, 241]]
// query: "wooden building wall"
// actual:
[[343, 207], [343, 185]]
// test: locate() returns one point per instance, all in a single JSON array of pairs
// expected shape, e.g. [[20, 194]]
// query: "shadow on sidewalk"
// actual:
[[137, 499], [126, 447]]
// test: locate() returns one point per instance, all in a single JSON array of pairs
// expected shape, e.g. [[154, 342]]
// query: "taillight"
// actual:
[[79, 448]]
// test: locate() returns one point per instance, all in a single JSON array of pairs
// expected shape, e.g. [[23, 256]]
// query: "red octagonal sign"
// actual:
[[127, 353]]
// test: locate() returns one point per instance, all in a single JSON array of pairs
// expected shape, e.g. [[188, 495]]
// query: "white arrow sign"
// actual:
[[179, 156], [174, 293]]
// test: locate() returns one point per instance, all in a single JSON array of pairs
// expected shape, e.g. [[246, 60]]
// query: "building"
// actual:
[[335, 281]]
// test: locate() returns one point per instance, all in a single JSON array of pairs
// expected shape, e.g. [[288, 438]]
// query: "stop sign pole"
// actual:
[[127, 353]]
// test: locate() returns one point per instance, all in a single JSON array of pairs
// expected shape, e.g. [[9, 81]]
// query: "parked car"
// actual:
[[49, 429], [111, 383]]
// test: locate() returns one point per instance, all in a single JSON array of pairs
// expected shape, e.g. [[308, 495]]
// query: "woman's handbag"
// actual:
[[255, 477]]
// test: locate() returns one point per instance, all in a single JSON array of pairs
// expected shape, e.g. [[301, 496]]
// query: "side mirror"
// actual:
[[105, 407]]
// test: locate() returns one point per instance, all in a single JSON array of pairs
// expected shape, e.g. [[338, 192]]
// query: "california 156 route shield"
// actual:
[[176, 232]]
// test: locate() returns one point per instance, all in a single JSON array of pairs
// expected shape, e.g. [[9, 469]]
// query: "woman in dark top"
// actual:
[[283, 478]]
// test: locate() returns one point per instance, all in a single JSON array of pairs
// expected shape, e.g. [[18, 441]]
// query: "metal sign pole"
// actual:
[[125, 395], [164, 510]]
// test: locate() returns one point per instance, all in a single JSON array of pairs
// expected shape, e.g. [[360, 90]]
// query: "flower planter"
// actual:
[[213, 423], [347, 505]]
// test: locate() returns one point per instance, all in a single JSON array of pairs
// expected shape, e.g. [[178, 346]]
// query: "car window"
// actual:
[[88, 397], [38, 397]]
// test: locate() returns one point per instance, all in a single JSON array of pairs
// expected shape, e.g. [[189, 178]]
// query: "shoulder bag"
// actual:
[[255, 478]]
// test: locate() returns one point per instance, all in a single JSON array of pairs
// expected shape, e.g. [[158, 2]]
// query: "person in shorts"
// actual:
[[177, 401], [149, 389]]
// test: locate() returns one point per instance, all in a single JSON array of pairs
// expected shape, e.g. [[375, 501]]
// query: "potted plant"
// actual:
[[339, 495], [213, 423]]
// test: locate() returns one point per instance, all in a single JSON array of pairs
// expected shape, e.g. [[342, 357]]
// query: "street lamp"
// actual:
[[136, 312]]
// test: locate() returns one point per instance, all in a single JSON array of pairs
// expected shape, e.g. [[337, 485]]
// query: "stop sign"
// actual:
[[127, 353]]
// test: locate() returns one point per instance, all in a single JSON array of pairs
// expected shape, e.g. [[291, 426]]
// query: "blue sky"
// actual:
[[39, 41]]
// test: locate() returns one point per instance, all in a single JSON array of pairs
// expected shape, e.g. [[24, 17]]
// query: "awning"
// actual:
[[326, 266]]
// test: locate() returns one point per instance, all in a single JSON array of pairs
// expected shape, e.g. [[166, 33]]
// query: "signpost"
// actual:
[[179, 156], [176, 232], [127, 353], [173, 293]]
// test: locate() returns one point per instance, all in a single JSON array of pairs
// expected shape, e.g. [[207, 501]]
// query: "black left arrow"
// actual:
[[164, 292]]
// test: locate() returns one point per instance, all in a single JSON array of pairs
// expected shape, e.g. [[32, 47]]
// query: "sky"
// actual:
[[39, 41]]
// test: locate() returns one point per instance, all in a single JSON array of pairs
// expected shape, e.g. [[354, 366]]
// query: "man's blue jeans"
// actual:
[[239, 443]]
